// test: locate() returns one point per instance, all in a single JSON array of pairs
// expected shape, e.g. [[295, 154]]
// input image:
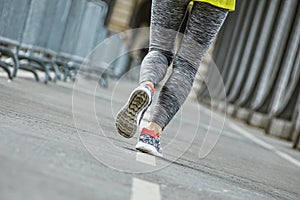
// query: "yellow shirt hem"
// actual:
[[226, 4]]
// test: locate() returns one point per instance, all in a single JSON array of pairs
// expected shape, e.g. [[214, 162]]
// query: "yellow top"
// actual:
[[226, 4]]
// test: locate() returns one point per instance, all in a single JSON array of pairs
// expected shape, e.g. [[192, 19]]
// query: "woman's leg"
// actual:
[[204, 24], [166, 18], [165, 21]]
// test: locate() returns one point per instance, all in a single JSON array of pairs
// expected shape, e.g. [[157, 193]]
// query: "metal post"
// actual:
[[290, 71], [274, 54], [233, 65], [247, 52], [233, 41], [259, 53]]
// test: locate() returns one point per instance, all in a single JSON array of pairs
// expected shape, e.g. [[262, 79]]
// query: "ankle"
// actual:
[[150, 84], [154, 127]]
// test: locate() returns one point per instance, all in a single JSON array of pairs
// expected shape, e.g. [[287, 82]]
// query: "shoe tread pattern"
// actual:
[[126, 121]]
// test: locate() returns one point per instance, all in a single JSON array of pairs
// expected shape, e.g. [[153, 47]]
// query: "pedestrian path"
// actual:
[[53, 149]]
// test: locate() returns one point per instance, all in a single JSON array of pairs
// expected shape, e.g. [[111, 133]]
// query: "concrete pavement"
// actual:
[[50, 149]]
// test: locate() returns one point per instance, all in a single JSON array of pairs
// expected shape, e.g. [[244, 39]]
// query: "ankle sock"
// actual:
[[151, 86]]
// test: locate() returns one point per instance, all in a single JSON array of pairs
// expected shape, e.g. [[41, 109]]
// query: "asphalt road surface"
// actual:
[[58, 141]]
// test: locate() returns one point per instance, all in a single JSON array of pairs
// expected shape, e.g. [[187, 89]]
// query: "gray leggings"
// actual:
[[203, 25]]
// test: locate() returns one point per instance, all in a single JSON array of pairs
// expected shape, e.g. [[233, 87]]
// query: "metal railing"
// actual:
[[258, 54], [52, 36]]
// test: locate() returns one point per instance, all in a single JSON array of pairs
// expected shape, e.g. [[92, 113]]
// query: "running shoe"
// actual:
[[149, 142], [130, 116]]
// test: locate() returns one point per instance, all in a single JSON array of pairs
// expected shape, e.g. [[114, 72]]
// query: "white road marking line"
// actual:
[[288, 157], [251, 137], [146, 158], [144, 190], [216, 191], [259, 141], [264, 144]]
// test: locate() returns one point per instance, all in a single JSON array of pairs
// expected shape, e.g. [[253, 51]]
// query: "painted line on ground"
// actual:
[[144, 190], [265, 145], [251, 137], [256, 140], [288, 158], [146, 158]]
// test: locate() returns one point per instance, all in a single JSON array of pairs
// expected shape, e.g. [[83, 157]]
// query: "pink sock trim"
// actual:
[[152, 133], [151, 86]]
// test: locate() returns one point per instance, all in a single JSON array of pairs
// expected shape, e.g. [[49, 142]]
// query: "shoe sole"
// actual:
[[147, 148], [126, 121]]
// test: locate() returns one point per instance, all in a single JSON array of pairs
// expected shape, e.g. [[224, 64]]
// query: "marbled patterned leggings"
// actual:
[[203, 25]]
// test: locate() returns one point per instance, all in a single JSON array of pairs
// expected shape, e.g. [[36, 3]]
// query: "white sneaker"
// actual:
[[149, 142], [130, 116]]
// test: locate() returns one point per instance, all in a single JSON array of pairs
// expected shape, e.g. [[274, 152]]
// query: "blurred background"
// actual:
[[257, 52]]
